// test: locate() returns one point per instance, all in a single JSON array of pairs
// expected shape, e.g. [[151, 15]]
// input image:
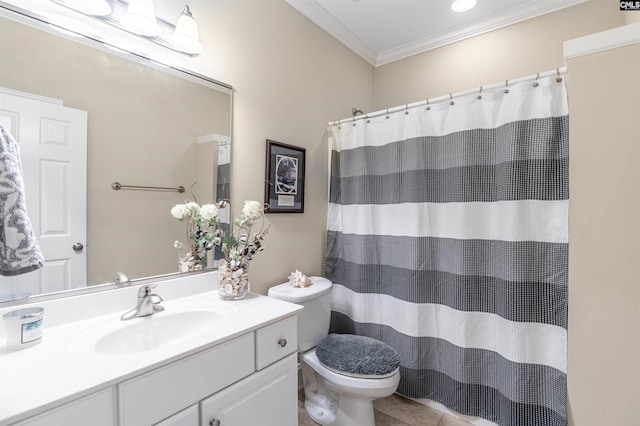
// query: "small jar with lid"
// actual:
[[23, 327]]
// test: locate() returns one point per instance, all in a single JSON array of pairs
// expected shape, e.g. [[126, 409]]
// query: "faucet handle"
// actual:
[[145, 290], [155, 299]]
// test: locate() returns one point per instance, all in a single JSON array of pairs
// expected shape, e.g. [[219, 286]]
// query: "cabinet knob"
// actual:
[[282, 342], [214, 422]]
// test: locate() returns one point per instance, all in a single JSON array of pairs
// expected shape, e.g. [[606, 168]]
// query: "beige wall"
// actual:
[[511, 52], [604, 235], [290, 78]]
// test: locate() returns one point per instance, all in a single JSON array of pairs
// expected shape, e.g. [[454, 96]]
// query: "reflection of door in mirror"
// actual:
[[53, 146]]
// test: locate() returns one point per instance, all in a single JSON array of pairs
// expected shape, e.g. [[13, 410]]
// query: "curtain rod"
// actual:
[[482, 89]]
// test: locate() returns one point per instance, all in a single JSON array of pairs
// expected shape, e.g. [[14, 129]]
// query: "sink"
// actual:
[[156, 331]]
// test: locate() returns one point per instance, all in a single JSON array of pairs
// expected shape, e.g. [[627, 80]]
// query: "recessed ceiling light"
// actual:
[[463, 5]]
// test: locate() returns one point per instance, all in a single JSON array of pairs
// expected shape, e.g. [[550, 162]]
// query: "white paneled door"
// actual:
[[53, 149]]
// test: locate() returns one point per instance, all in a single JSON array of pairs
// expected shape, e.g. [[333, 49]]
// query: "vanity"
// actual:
[[201, 361]]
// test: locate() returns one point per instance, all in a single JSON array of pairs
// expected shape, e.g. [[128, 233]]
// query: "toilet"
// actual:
[[342, 374]]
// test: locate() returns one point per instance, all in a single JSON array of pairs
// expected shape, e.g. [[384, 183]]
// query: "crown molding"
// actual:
[[312, 10], [319, 16]]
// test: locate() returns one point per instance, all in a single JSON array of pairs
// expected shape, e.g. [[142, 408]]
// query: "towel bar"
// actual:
[[118, 186]]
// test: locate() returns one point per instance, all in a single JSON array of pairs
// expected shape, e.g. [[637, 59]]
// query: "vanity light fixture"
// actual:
[[141, 18], [463, 5], [185, 37], [89, 7], [138, 17]]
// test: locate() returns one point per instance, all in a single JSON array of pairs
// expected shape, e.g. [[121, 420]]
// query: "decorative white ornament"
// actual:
[[298, 279]]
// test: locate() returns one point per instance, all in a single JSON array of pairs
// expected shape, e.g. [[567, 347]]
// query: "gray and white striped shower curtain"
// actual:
[[448, 240]]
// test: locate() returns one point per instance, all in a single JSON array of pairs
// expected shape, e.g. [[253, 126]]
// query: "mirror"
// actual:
[[146, 125]]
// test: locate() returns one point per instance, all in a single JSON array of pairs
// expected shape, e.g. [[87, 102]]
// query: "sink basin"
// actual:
[[155, 331]]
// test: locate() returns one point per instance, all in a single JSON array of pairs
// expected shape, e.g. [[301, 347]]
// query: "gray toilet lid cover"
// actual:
[[357, 355]]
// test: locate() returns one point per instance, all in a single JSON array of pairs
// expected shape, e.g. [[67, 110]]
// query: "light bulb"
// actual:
[[185, 37], [463, 5], [141, 18]]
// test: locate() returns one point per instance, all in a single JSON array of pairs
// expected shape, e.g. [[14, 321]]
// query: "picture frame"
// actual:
[[285, 175]]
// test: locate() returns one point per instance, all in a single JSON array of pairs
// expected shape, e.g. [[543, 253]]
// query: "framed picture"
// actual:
[[284, 183]]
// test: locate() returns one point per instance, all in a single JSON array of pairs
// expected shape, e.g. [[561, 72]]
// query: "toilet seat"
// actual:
[[357, 356], [361, 385], [361, 376]]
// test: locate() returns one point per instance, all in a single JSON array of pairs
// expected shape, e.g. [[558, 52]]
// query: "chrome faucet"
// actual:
[[148, 304]]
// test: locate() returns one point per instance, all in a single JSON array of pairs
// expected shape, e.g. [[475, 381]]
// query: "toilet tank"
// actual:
[[313, 320]]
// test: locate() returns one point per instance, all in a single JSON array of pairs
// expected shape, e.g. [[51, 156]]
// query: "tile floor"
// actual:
[[396, 411]]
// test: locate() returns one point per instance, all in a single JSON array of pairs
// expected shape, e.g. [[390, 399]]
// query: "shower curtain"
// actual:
[[448, 240]]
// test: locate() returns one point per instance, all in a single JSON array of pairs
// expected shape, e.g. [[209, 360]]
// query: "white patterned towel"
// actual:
[[19, 251]]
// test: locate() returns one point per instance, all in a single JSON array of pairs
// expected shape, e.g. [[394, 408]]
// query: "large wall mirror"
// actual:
[[143, 124]]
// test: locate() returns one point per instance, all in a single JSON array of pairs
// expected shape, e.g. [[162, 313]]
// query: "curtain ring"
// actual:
[[428, 106], [558, 78], [506, 86], [406, 109], [451, 99], [480, 93], [387, 117], [367, 117], [535, 83]]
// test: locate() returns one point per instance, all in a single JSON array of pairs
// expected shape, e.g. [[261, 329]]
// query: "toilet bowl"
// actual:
[[332, 398], [342, 374]]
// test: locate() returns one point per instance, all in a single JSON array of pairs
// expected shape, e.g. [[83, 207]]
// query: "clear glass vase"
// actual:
[[233, 283], [189, 263]]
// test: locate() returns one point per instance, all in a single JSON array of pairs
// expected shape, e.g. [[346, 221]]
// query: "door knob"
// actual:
[[215, 422], [282, 342], [77, 247]]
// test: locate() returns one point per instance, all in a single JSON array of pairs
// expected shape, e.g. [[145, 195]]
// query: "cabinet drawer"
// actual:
[[276, 341], [96, 410], [154, 396]]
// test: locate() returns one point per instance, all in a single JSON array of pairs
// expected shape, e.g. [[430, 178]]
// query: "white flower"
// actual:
[[252, 209], [192, 207], [180, 211], [208, 212]]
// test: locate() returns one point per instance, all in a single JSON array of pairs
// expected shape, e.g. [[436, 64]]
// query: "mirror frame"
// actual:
[[10, 11]]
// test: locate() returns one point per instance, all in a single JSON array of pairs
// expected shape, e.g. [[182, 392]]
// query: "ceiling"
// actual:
[[384, 31]]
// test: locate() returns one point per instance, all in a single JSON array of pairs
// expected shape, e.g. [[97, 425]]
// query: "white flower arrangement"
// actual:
[[241, 245], [204, 232]]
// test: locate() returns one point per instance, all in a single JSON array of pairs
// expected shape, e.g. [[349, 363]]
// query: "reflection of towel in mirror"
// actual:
[[19, 251]]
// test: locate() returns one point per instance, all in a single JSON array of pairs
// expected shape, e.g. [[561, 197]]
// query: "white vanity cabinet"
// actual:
[[250, 379]]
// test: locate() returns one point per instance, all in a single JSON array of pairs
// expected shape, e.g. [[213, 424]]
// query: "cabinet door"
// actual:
[[95, 410], [268, 397], [187, 417]]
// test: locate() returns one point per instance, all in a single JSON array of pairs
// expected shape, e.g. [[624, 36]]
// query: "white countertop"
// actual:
[[66, 365]]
